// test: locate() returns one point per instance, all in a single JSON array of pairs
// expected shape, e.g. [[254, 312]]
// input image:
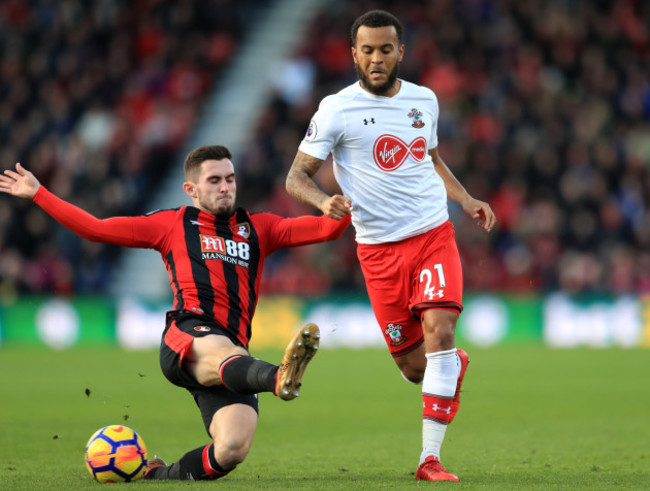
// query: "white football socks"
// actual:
[[440, 378]]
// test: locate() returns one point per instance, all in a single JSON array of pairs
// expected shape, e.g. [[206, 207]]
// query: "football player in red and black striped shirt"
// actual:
[[214, 254]]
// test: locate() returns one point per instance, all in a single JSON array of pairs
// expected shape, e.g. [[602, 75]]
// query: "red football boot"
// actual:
[[432, 470]]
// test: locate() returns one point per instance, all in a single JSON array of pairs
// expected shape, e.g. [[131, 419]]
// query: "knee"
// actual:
[[439, 332], [445, 337], [231, 451], [233, 457]]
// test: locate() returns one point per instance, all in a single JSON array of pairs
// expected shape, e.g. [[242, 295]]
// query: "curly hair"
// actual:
[[376, 18]]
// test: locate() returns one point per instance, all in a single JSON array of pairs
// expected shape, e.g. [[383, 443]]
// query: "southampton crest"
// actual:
[[416, 116], [394, 333]]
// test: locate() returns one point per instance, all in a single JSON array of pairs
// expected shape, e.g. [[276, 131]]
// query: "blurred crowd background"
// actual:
[[97, 98], [545, 114]]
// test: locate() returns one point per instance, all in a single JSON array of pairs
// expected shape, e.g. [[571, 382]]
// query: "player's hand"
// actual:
[[20, 182], [481, 212], [336, 206]]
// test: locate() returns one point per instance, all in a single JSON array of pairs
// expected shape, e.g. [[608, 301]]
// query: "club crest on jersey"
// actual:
[[202, 329], [390, 152], [242, 229], [416, 116], [394, 332]]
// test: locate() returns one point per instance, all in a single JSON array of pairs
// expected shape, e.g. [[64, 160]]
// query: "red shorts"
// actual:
[[406, 278]]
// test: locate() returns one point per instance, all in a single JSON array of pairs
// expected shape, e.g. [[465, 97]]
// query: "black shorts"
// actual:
[[180, 330]]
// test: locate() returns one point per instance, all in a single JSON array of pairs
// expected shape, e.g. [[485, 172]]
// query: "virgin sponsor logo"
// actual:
[[390, 152]]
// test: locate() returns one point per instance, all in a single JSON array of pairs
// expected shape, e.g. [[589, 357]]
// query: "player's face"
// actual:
[[377, 55], [215, 189]]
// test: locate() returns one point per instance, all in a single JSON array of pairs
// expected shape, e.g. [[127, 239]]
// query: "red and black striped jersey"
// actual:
[[214, 263]]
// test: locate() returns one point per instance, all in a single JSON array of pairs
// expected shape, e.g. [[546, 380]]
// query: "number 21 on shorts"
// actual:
[[434, 282]]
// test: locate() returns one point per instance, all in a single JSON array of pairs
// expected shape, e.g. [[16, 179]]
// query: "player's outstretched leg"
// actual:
[[299, 352]]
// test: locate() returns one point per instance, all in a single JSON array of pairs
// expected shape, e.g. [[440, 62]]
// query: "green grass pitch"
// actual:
[[530, 418]]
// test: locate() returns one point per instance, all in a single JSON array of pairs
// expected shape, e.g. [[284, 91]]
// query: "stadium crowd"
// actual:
[[96, 99], [545, 113]]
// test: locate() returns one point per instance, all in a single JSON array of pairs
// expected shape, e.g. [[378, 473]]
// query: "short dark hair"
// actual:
[[200, 154], [376, 18]]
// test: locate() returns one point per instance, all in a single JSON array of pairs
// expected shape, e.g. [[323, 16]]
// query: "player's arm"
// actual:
[[310, 230], [301, 185], [116, 230], [299, 231], [478, 210]]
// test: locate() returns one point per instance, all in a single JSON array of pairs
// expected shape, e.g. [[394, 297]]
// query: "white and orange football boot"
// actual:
[[299, 352]]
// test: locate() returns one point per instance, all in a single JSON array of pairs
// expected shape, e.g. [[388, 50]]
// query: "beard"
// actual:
[[218, 208], [222, 210], [378, 89]]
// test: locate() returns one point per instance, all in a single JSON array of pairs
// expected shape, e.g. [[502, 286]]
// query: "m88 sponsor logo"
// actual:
[[215, 247]]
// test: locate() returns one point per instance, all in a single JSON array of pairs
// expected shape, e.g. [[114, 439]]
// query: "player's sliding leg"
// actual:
[[248, 375], [196, 465], [232, 427], [245, 374], [233, 419]]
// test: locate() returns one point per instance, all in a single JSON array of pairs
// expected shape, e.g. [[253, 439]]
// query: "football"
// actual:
[[116, 453]]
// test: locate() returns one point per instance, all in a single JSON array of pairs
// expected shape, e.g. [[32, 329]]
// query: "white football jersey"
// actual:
[[380, 148]]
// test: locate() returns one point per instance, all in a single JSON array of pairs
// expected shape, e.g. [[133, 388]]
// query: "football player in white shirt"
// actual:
[[382, 134]]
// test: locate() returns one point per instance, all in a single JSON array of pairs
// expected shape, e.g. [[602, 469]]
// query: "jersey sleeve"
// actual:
[[139, 231], [324, 131], [435, 111], [282, 232]]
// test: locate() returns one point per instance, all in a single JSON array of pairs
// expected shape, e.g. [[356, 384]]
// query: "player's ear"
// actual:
[[354, 54], [190, 189], [401, 52]]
